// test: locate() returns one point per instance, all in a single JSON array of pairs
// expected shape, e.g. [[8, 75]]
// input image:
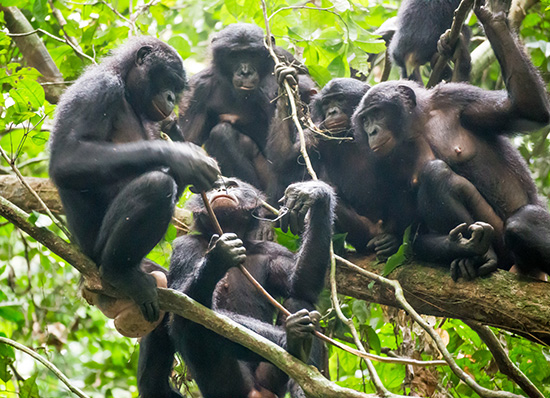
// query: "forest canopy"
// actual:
[[495, 329]]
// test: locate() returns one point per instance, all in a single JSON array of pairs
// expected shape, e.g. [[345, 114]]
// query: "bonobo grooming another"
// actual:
[[204, 267], [420, 24], [118, 182], [231, 103], [462, 162]]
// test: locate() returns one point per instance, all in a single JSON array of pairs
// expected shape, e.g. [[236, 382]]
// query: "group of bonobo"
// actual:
[[388, 156]]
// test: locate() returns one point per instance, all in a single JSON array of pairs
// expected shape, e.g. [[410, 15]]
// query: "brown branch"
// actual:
[[505, 365], [34, 52], [459, 17], [309, 378]]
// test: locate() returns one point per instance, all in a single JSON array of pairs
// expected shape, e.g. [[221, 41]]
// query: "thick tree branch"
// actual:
[[34, 52], [508, 301], [505, 300], [309, 378]]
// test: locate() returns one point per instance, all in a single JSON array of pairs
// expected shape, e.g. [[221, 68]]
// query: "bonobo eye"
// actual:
[[231, 184]]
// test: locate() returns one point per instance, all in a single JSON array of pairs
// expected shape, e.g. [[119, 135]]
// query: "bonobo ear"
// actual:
[[408, 95], [142, 53]]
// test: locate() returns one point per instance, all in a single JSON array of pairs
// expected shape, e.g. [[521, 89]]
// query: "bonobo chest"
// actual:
[[452, 142], [245, 112], [234, 292], [127, 126]]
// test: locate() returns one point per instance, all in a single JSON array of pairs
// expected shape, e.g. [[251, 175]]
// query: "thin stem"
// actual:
[[46, 363]]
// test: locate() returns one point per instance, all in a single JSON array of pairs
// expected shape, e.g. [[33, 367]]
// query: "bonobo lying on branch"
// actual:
[[450, 143], [204, 265], [118, 183]]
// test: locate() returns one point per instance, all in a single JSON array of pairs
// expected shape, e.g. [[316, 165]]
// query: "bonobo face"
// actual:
[[336, 120], [381, 139], [223, 194], [247, 72], [155, 82]]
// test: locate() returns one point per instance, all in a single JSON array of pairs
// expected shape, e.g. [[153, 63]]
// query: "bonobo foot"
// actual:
[[472, 267], [478, 258], [384, 245], [299, 332], [138, 286]]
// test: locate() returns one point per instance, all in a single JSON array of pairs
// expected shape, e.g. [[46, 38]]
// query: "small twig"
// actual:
[[76, 50], [75, 390], [62, 22], [400, 297], [459, 17], [33, 192], [505, 365]]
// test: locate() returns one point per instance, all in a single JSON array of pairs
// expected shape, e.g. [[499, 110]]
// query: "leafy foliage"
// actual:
[[39, 302]]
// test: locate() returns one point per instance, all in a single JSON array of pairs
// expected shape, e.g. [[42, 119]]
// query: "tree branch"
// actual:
[[47, 364]]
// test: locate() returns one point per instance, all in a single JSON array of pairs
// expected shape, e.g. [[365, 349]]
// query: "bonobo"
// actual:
[[203, 266], [231, 103], [332, 153], [117, 182], [465, 166], [420, 24]]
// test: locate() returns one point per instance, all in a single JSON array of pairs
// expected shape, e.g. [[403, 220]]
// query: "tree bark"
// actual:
[[35, 53], [505, 300]]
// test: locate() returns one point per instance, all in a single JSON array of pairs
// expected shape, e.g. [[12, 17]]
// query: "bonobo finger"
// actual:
[[283, 222], [456, 232], [469, 265], [150, 311], [294, 224], [315, 317], [455, 271], [487, 268]]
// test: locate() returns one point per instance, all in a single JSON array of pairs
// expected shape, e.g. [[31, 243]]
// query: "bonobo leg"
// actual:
[[235, 154], [527, 235], [134, 223], [156, 357], [445, 201]]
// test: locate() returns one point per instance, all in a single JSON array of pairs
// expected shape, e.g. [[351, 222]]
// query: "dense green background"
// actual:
[[39, 302]]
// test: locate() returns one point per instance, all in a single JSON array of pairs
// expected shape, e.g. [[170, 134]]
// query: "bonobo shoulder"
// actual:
[[96, 87]]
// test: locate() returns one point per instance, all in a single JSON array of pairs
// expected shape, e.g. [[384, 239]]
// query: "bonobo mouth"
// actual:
[[162, 114], [247, 88], [381, 145], [223, 200], [337, 126]]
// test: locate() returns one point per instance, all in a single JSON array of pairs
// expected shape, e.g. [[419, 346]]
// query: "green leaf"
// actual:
[[288, 239], [374, 340], [40, 9], [5, 373], [403, 255], [12, 313], [29, 389], [181, 45], [360, 310]]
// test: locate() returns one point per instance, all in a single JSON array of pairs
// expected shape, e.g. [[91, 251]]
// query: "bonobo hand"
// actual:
[[444, 46], [299, 198], [227, 249], [299, 332], [384, 245], [481, 236], [189, 164], [478, 258], [284, 72], [486, 17]]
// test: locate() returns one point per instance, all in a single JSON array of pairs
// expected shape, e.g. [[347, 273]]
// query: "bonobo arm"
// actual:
[[83, 154], [318, 199], [196, 269], [525, 107], [194, 120], [156, 356]]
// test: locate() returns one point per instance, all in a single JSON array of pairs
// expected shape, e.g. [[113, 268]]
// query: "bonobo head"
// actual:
[[385, 116], [239, 54], [333, 107], [153, 75], [233, 201]]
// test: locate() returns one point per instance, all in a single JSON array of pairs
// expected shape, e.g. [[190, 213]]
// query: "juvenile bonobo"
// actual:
[[231, 103], [420, 24], [464, 165], [119, 183], [203, 267]]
